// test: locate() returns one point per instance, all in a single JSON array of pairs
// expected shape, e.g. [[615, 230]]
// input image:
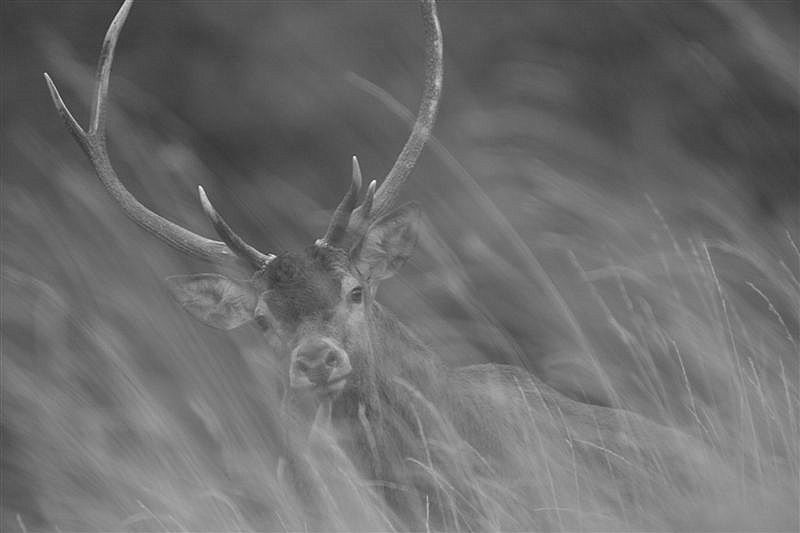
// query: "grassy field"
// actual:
[[611, 202]]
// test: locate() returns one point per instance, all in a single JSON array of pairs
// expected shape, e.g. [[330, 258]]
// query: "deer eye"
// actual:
[[262, 322], [356, 295]]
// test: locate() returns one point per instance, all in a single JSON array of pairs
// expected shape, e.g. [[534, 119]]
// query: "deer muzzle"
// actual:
[[319, 364]]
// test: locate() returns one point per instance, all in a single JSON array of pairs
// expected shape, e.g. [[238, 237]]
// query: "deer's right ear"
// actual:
[[218, 301]]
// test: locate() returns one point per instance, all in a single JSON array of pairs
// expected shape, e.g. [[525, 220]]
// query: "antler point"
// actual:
[[206, 203], [356, 174], [51, 85]]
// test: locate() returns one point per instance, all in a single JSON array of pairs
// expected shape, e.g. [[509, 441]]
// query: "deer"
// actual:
[[353, 373]]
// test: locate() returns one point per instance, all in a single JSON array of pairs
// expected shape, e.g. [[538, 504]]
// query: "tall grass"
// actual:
[[630, 272]]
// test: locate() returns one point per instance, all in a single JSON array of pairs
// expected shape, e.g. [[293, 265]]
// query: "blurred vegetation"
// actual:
[[613, 204]]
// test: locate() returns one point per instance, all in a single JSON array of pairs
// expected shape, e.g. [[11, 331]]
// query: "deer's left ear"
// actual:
[[387, 244], [215, 300]]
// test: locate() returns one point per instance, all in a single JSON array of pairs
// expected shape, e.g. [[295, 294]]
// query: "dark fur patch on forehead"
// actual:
[[334, 259], [305, 284], [290, 268]]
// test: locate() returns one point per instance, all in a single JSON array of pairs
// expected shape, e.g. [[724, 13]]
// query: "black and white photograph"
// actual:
[[400, 266]]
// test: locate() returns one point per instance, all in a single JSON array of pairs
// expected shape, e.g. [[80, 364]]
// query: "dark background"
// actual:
[[259, 86]]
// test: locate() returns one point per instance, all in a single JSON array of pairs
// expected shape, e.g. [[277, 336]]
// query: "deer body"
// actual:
[[406, 420], [360, 381]]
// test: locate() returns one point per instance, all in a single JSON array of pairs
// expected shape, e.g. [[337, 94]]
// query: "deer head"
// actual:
[[313, 305]]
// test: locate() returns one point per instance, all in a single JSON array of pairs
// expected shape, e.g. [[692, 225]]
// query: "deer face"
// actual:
[[313, 306]]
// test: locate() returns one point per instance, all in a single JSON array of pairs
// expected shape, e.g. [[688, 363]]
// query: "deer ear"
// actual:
[[387, 244], [217, 301]]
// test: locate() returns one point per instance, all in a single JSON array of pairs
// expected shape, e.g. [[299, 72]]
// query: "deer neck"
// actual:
[[376, 403]]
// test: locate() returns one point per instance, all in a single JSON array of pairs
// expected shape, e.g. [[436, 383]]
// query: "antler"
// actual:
[[377, 203], [390, 188], [341, 217], [93, 143]]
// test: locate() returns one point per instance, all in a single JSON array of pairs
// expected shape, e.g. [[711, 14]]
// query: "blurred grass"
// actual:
[[612, 204]]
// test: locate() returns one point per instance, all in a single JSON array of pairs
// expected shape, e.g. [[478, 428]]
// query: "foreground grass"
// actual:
[[123, 414]]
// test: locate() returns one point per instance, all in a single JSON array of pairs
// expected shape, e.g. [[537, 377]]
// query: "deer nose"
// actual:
[[318, 361]]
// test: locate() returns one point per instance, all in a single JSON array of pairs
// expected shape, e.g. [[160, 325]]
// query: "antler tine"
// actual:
[[364, 220], [93, 144], [97, 126], [255, 258], [390, 188], [369, 198], [341, 217]]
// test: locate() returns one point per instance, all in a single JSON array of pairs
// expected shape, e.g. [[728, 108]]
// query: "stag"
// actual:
[[354, 373]]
